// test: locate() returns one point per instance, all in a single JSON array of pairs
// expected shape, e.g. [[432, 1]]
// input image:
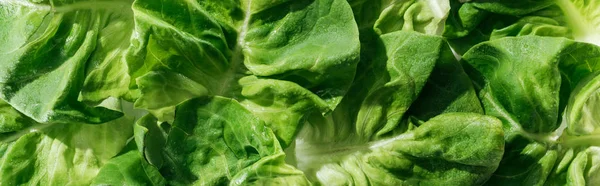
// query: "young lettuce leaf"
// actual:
[[216, 141], [367, 140], [129, 168], [583, 17], [473, 22], [279, 59], [579, 166], [451, 148], [379, 17], [477, 21], [449, 87], [12, 120], [299, 92], [533, 84], [47, 47], [60, 154]]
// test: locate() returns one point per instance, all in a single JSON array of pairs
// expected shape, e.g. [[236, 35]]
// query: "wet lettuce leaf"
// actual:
[[302, 92], [128, 168], [54, 51], [280, 60], [473, 22], [60, 154], [544, 90], [216, 141], [368, 139]]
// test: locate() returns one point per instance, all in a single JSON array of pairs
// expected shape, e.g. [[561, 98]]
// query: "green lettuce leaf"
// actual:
[[473, 22], [60, 154], [128, 168], [449, 87], [279, 59], [477, 21], [374, 136], [151, 137], [421, 16], [216, 141], [544, 90], [12, 120], [425, 16], [577, 167], [53, 51], [451, 148], [583, 18]]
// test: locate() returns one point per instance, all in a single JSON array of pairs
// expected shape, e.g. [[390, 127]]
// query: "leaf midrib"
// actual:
[[323, 153], [580, 22], [237, 57]]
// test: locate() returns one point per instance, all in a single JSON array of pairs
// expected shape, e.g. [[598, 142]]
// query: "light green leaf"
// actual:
[[580, 167], [583, 16], [473, 22], [270, 170], [128, 168], [46, 48], [532, 25], [583, 111], [283, 102], [424, 16], [533, 84], [384, 16], [386, 87], [368, 139], [106, 71], [12, 120], [308, 49], [216, 141], [519, 81], [525, 162], [452, 148], [166, 88], [150, 137], [61, 154]]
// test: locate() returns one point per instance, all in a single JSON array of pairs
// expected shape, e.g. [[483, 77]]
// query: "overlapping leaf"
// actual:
[[52, 51], [281, 60]]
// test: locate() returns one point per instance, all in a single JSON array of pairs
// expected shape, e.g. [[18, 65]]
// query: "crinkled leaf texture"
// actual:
[[299, 92], [534, 84], [279, 59], [60, 154], [579, 166], [371, 140], [583, 16], [12, 120], [425, 16], [216, 141], [451, 148], [129, 168], [473, 22], [58, 54]]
